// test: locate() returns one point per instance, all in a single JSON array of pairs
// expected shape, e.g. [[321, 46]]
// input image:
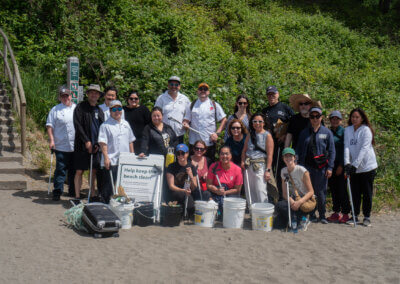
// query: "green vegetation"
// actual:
[[346, 53]]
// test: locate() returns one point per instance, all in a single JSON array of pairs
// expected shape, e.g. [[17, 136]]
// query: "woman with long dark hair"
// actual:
[[257, 159], [360, 162], [138, 117], [242, 112]]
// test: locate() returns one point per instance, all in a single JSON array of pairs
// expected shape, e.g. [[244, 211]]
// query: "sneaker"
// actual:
[[323, 221], [75, 201], [334, 218], [351, 221], [304, 223], [367, 222], [344, 219], [313, 218], [56, 197]]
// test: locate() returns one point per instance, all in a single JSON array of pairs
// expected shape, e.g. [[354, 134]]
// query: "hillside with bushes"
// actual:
[[345, 53]]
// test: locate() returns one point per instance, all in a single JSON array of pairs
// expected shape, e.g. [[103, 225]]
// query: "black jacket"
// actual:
[[153, 141], [82, 122]]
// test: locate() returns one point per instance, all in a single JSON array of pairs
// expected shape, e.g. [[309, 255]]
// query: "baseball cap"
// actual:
[[288, 151], [272, 89], [182, 147], [315, 109], [336, 113], [174, 78], [204, 85], [64, 90], [115, 103]]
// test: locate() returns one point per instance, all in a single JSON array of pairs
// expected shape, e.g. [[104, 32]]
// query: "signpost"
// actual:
[[73, 77], [142, 178]]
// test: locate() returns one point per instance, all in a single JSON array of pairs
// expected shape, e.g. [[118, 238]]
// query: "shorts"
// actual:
[[81, 160]]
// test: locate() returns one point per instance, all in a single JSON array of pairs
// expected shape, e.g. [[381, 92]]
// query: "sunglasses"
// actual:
[[258, 121], [174, 84], [304, 104], [180, 153], [236, 128], [199, 149], [205, 89], [315, 116], [133, 99], [114, 109], [242, 103]]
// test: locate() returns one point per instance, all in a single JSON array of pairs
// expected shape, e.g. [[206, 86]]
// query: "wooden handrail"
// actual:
[[19, 101]]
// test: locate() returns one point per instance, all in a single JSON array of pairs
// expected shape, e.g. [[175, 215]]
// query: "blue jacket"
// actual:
[[324, 145]]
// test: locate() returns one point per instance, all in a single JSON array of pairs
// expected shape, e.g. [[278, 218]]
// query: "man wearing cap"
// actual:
[[301, 103], [115, 136], [110, 94], [88, 117], [337, 183], [203, 116], [61, 131], [278, 115], [316, 151], [174, 105]]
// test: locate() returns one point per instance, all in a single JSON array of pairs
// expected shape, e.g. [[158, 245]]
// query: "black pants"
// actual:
[[105, 186], [340, 198], [362, 184], [277, 166], [283, 216], [181, 196], [320, 185]]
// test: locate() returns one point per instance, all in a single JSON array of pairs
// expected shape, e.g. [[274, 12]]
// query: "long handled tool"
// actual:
[[51, 169], [247, 189], [186, 186], [351, 200], [190, 128], [90, 176], [112, 181], [199, 187], [288, 201], [214, 170], [277, 162]]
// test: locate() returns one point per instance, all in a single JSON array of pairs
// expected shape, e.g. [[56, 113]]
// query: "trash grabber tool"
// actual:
[[247, 189], [90, 176], [51, 169], [351, 200], [199, 187], [112, 181], [190, 128], [288, 201], [277, 162], [186, 186]]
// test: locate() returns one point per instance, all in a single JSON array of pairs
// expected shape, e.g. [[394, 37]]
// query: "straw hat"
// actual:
[[296, 98]]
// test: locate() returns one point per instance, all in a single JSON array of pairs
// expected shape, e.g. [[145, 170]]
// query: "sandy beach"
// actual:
[[38, 247]]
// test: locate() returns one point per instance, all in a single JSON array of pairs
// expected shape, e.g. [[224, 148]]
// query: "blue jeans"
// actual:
[[320, 185], [64, 167]]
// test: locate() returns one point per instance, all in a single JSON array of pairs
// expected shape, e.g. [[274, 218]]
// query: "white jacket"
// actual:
[[358, 150]]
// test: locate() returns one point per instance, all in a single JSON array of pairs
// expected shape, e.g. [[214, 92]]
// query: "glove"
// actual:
[[349, 169]]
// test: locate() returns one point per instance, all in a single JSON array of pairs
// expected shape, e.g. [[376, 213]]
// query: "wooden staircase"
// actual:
[[12, 172]]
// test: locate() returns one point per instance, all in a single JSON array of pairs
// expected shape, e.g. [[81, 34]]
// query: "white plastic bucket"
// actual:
[[124, 212], [205, 212], [234, 209], [261, 216]]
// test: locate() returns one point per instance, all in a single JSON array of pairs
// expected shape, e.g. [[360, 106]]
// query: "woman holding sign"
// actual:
[[157, 136]]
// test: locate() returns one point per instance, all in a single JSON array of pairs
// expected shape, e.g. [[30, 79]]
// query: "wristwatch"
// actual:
[[268, 170]]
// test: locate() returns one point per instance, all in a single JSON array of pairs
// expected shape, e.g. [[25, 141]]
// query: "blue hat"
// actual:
[[272, 89], [182, 147], [335, 113], [316, 109]]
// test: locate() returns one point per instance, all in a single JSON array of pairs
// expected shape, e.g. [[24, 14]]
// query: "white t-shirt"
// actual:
[[60, 118], [176, 109], [117, 136], [297, 176], [358, 149], [106, 111], [202, 118]]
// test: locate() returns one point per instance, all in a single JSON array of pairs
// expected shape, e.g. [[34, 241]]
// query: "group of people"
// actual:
[[279, 156]]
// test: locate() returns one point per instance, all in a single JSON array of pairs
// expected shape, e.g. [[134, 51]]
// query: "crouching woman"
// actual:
[[300, 192]]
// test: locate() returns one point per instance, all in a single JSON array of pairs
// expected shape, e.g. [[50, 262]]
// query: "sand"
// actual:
[[38, 247]]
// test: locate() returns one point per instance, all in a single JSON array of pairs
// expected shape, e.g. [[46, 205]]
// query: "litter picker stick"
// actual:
[[198, 186], [190, 128], [112, 181], [158, 195], [277, 162], [90, 176], [247, 189], [186, 196], [351, 200], [51, 169], [288, 202]]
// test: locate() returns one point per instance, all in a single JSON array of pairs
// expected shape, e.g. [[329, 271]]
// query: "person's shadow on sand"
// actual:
[[42, 198]]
